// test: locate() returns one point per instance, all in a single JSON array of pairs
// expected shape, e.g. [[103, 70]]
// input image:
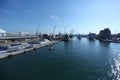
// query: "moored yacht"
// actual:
[[66, 37], [79, 36], [91, 36], [3, 49]]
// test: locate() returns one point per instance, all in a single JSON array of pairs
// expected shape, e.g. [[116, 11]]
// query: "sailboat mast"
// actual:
[[37, 30], [54, 30], [65, 30]]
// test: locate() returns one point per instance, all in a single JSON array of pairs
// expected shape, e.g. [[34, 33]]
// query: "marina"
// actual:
[[24, 48], [73, 60], [59, 40]]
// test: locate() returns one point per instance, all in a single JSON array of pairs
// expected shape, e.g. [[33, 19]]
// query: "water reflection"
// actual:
[[67, 45], [91, 41], [115, 64], [104, 44], [73, 60]]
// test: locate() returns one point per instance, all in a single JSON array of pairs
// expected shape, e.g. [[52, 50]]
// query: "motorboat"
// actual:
[[51, 47]]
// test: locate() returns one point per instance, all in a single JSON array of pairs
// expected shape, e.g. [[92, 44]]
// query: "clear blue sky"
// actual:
[[83, 16]]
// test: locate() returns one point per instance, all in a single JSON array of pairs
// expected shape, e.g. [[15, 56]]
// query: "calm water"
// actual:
[[74, 60]]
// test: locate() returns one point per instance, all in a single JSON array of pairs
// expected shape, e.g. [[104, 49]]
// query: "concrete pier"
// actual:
[[37, 46]]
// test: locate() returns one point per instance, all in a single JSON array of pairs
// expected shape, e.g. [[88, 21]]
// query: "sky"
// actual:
[[81, 16]]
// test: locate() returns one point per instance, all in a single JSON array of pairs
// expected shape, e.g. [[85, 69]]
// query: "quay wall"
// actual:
[[9, 54]]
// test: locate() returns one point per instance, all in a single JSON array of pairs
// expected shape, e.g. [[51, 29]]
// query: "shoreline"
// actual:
[[10, 54]]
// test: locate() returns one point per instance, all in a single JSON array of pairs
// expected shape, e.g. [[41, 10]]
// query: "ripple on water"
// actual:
[[115, 64]]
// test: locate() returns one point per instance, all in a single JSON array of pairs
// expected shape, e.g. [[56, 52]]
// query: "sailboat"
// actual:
[[79, 36], [71, 33], [66, 37], [51, 38]]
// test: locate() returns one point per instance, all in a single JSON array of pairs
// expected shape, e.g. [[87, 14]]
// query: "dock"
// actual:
[[36, 46]]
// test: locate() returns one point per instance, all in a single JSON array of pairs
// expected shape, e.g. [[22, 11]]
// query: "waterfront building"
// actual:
[[104, 34], [23, 34], [2, 33], [11, 34]]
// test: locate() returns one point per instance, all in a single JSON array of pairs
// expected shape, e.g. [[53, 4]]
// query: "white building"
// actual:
[[2, 33], [23, 34]]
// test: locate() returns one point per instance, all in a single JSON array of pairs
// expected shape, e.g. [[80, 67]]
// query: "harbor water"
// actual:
[[74, 60]]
